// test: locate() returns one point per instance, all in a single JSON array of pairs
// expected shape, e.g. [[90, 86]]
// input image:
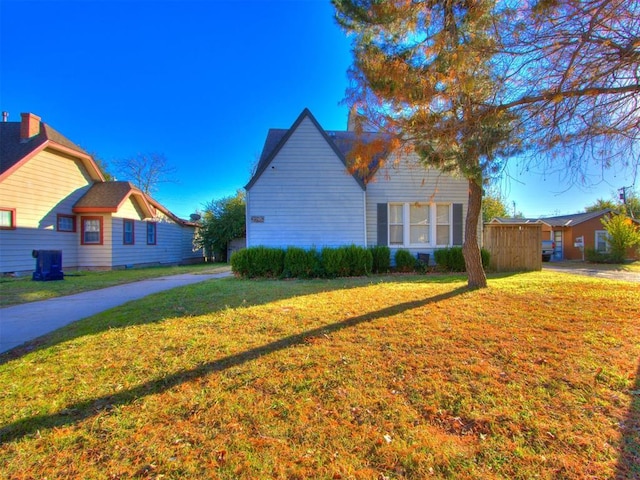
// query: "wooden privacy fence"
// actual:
[[514, 247]]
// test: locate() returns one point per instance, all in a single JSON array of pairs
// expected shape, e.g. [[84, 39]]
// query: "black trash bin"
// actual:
[[48, 265]]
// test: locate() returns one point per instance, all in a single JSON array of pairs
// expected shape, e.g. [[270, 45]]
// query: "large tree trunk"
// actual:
[[471, 248]]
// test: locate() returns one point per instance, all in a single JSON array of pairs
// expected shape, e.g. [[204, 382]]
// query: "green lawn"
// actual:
[[369, 378], [16, 290]]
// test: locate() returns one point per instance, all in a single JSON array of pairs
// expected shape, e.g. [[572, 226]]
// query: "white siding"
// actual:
[[306, 197], [47, 185], [170, 245], [406, 181], [96, 256]]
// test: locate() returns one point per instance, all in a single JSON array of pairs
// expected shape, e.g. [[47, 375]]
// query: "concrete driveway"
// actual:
[[22, 323], [592, 271]]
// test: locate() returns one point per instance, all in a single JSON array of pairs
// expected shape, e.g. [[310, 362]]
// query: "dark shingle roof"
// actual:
[[341, 141], [13, 149], [571, 220], [558, 221], [106, 195]]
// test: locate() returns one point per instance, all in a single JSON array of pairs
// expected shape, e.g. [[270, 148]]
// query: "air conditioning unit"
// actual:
[[48, 265]]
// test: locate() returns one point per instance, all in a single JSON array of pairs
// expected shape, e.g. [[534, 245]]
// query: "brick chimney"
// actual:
[[30, 126]]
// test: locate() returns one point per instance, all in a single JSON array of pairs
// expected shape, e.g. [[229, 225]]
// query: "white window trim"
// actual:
[[406, 226], [604, 233]]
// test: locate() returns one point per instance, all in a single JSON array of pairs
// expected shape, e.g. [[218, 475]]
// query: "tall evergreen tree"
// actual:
[[423, 74], [467, 83]]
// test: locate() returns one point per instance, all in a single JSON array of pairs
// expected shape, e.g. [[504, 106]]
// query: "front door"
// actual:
[[557, 251]]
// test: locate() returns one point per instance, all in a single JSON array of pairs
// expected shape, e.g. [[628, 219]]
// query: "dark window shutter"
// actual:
[[382, 224], [457, 224]]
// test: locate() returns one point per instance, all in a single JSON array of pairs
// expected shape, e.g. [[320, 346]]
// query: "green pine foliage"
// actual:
[[381, 258], [452, 260], [405, 261]]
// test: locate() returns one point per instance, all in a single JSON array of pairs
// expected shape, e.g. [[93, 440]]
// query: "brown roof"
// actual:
[[13, 149], [109, 196]]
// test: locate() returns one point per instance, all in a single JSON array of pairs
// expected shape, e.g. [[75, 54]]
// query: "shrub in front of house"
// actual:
[[358, 260], [594, 256], [240, 262], [258, 262], [380, 258], [405, 261], [295, 262], [452, 260], [301, 263]]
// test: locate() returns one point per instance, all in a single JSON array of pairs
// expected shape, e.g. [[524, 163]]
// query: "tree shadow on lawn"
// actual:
[[86, 409], [629, 461], [201, 299]]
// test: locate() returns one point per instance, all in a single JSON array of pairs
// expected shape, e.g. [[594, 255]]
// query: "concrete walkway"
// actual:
[[594, 272], [21, 323]]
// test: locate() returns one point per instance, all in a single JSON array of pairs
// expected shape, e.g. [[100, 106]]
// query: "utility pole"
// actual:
[[623, 197]]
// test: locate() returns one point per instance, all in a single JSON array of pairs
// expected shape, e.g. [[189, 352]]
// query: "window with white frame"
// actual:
[[419, 224], [396, 224], [602, 245], [443, 224], [7, 218], [419, 227]]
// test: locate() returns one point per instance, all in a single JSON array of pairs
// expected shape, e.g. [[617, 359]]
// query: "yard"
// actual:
[[17, 290], [367, 378]]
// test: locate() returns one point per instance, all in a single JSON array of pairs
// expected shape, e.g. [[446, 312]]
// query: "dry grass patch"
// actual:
[[401, 377]]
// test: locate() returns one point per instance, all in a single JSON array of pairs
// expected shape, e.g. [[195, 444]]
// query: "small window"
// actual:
[[443, 222], [7, 218], [419, 228], [602, 245], [91, 230], [66, 223], [396, 224], [128, 232], [151, 233]]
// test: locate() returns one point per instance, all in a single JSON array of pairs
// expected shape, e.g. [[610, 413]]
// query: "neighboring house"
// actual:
[[54, 197], [565, 230], [302, 194]]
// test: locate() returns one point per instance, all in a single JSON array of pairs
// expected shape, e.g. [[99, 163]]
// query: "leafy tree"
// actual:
[[466, 84], [223, 221], [146, 171], [623, 235], [601, 204], [631, 205], [493, 205]]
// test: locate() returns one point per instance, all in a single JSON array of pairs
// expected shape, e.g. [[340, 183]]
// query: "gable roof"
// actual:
[[341, 142], [14, 151], [575, 219], [108, 197], [558, 221]]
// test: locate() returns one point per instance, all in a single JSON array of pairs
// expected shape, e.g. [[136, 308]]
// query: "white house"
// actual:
[[302, 194], [54, 197]]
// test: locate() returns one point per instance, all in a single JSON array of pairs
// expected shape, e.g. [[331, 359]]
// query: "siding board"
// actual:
[[305, 197]]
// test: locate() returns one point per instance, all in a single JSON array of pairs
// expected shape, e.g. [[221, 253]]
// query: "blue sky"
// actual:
[[200, 82]]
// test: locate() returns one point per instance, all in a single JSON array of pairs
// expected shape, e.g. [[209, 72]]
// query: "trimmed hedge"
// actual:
[[258, 262], [405, 261], [301, 263], [381, 258], [295, 262], [452, 260]]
